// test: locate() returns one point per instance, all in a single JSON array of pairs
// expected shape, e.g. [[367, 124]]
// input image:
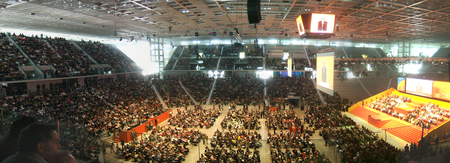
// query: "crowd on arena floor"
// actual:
[[161, 144], [195, 117], [294, 147], [358, 144], [244, 118], [231, 146]]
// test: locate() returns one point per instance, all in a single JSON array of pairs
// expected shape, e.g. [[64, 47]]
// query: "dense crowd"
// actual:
[[427, 114], [161, 144], [358, 144], [10, 60], [99, 106], [325, 116], [244, 118], [198, 86], [62, 55], [104, 54], [282, 120], [171, 92], [240, 90], [195, 117], [293, 147], [232, 146]]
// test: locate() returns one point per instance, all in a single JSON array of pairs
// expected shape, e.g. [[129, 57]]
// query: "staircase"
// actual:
[[160, 99], [408, 133], [187, 92], [51, 47]]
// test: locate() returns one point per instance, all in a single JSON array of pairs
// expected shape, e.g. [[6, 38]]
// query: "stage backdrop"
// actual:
[[325, 72]]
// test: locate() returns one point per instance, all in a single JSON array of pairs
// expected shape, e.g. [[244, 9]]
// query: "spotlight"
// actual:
[[84, 22], [60, 18], [120, 38], [231, 33], [214, 33], [32, 13], [210, 33], [132, 38], [196, 34]]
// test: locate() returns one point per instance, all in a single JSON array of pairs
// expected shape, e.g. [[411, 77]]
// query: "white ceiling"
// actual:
[[365, 20]]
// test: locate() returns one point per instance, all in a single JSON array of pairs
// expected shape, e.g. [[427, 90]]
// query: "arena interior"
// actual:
[[215, 81]]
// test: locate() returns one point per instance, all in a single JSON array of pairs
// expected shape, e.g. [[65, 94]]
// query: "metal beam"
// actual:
[[287, 13], [391, 12], [224, 11], [329, 5], [398, 21], [417, 8], [360, 9]]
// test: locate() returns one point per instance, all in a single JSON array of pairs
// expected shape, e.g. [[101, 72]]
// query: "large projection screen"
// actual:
[[322, 23], [325, 72], [419, 87], [441, 90]]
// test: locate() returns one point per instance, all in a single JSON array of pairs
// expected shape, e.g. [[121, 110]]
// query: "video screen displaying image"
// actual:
[[419, 87], [300, 26], [441, 90], [401, 84], [325, 72], [322, 23]]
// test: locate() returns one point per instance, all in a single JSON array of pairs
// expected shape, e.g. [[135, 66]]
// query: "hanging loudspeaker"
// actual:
[[253, 11]]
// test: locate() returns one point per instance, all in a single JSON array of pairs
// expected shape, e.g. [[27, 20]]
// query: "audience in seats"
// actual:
[[195, 117], [171, 92], [87, 111], [293, 147], [104, 54], [229, 146], [359, 144], [424, 115], [198, 86], [161, 144], [244, 118], [239, 90], [10, 60]]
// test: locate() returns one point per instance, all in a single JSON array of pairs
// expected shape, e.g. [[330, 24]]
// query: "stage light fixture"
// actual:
[[120, 38], [231, 33], [196, 34], [214, 33]]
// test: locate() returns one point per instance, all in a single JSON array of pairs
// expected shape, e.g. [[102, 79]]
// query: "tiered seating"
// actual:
[[73, 62], [105, 55], [10, 60]]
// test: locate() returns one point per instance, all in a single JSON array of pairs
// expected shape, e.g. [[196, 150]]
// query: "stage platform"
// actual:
[[400, 128]]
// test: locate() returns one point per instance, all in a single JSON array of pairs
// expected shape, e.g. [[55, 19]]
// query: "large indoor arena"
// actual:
[[223, 81]]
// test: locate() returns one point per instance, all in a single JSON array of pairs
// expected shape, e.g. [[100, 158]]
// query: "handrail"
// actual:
[[176, 61], [51, 47], [86, 54], [159, 97], [37, 69], [187, 92]]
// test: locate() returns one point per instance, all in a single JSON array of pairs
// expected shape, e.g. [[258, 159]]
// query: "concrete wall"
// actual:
[[355, 89]]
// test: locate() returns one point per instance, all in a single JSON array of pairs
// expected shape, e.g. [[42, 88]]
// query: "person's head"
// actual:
[[20, 124], [40, 139]]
